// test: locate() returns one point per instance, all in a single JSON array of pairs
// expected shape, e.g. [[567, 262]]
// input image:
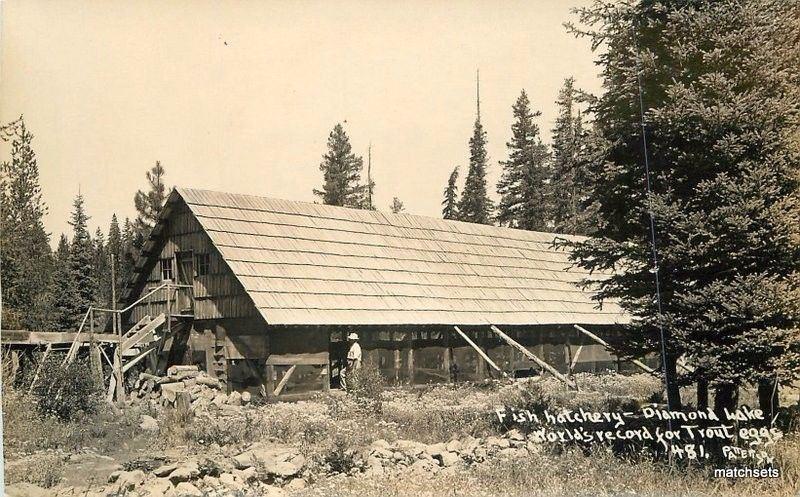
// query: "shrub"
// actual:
[[66, 391], [341, 458], [44, 470], [366, 385]]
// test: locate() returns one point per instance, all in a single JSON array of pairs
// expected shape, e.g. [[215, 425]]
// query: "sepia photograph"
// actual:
[[367, 248]]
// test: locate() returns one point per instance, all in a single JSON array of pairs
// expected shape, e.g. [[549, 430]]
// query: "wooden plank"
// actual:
[[312, 359], [576, 357], [608, 347], [478, 350], [284, 380], [533, 357], [140, 335], [144, 353], [23, 337]]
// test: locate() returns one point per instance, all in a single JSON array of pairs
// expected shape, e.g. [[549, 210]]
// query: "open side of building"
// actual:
[[265, 291]]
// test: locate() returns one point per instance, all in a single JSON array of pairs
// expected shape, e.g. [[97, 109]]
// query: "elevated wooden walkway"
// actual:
[[25, 337]]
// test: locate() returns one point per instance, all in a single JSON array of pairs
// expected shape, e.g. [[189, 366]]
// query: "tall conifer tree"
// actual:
[[149, 203], [475, 205], [24, 244], [450, 202], [341, 170], [64, 312], [81, 259], [525, 195], [722, 117]]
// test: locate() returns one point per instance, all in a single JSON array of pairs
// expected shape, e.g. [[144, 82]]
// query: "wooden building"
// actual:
[[270, 288]]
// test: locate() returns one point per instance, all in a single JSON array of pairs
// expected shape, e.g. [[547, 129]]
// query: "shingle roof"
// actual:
[[312, 264]]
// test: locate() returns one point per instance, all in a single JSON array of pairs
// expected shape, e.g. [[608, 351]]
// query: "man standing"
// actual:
[[353, 358]]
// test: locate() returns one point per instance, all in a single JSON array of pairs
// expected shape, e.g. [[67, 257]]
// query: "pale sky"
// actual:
[[108, 88]]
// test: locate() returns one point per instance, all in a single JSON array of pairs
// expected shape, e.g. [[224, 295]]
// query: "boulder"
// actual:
[[230, 482], [449, 459], [127, 480], [296, 484], [436, 450], [157, 486], [246, 397], [246, 475], [278, 460], [185, 472], [453, 446], [164, 470], [186, 489], [149, 423]]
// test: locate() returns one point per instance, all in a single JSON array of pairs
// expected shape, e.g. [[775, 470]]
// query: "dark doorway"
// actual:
[[184, 298]]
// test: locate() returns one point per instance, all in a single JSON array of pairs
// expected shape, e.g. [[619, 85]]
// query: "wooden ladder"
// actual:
[[220, 361]]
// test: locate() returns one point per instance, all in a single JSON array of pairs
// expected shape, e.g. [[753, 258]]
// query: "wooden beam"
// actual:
[[533, 357], [478, 350], [575, 357], [24, 337], [284, 380], [39, 367], [605, 344]]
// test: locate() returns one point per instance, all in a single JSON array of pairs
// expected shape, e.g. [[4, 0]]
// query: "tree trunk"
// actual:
[[725, 397], [702, 394], [768, 399], [673, 390]]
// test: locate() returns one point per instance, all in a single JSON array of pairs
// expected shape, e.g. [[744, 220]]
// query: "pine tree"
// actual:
[[450, 202], [148, 204], [723, 156], [114, 249], [81, 259], [341, 172], [396, 206], [24, 244], [525, 196], [128, 255], [475, 205], [572, 213], [64, 312]]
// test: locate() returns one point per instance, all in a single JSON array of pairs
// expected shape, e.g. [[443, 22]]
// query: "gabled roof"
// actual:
[[312, 264]]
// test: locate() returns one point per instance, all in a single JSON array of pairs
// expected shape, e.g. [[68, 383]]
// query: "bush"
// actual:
[[67, 391], [44, 470], [366, 385]]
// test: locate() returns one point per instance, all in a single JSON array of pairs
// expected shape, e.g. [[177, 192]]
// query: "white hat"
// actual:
[[352, 336]]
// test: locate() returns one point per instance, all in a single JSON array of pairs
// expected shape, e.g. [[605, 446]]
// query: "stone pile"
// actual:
[[190, 388], [267, 469], [382, 457]]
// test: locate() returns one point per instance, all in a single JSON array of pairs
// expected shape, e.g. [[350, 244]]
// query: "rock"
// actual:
[[511, 453], [220, 399], [278, 460], [230, 482], [436, 450], [450, 459], [170, 391], [165, 470], [127, 480], [211, 481], [209, 382], [296, 484], [453, 446], [410, 447], [246, 397], [423, 466], [380, 444], [184, 473], [498, 442], [158, 486], [382, 453], [234, 399], [148, 423], [186, 489], [26, 490], [247, 474]]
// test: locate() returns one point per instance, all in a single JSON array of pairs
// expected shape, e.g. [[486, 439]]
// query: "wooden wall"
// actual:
[[217, 294]]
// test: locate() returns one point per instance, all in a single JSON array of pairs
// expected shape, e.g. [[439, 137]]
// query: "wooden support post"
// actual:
[[270, 380], [39, 367], [533, 357], [14, 365], [480, 352], [605, 344], [410, 357], [480, 366], [575, 357]]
